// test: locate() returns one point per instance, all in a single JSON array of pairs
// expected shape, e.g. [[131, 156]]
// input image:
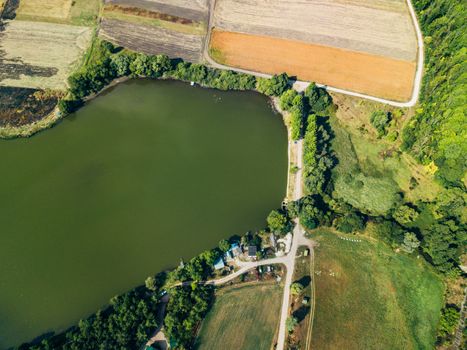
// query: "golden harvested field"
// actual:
[[354, 71], [378, 27], [50, 8], [40, 55]]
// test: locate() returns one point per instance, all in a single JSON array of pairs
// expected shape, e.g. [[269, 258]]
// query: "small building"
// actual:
[[219, 264], [235, 250], [306, 252], [228, 256], [252, 251], [305, 300]]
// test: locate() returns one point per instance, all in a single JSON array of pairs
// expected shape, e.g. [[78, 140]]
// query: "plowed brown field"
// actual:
[[355, 71]]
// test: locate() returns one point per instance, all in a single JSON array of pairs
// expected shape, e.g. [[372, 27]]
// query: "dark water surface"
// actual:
[[148, 173]]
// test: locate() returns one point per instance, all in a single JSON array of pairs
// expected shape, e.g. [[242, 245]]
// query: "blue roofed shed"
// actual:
[[219, 264]]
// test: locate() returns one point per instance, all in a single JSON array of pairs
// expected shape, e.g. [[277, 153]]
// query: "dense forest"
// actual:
[[438, 132]]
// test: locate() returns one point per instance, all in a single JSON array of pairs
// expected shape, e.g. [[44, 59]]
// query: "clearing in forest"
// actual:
[[366, 294], [351, 70], [242, 317], [372, 172], [39, 54]]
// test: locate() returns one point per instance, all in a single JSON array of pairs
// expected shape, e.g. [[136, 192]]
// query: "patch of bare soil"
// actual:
[[148, 14], [350, 70], [24, 106], [38, 54], [152, 40], [190, 9]]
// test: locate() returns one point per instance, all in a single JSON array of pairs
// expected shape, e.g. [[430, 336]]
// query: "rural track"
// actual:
[[301, 85]]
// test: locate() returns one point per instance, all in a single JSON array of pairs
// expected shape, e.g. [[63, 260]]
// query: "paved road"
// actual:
[[301, 85]]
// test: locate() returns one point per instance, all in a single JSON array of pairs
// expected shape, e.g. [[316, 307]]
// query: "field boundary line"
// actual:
[[313, 299]]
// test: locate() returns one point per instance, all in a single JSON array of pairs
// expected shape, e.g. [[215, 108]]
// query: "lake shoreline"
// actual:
[[141, 135], [55, 117]]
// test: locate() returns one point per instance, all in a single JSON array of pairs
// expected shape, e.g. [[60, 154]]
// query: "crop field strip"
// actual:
[[152, 40], [382, 28], [192, 10], [141, 16], [354, 71], [59, 9], [242, 317], [38, 54]]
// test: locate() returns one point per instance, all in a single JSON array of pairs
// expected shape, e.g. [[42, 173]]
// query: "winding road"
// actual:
[[301, 85]]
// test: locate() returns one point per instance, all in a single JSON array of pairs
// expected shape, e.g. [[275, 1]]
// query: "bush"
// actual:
[[405, 215], [448, 322], [278, 222], [275, 86], [287, 98], [350, 223], [410, 242], [319, 99], [69, 106], [380, 121]]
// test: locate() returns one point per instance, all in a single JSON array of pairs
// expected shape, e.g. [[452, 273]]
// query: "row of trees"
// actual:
[[108, 63], [318, 159]]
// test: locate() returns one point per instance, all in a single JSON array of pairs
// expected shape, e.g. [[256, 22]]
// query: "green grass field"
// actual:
[[368, 297], [371, 171], [370, 181], [76, 12], [244, 317]]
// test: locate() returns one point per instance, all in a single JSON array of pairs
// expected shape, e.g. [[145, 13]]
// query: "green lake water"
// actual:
[[148, 173]]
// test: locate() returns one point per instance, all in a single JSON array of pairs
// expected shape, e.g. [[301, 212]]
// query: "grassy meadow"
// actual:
[[368, 297], [243, 317], [76, 12], [371, 173]]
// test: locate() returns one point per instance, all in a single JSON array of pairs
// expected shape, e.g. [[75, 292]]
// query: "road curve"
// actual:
[[301, 85]]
